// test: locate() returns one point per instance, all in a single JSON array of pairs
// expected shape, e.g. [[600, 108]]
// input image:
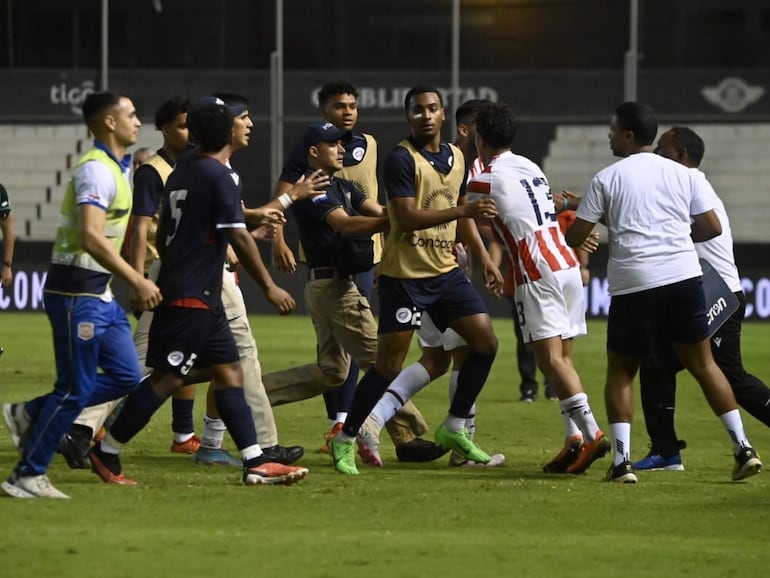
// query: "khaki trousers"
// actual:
[[345, 327]]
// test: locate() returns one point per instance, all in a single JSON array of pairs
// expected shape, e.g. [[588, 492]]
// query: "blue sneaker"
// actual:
[[217, 457], [655, 462]]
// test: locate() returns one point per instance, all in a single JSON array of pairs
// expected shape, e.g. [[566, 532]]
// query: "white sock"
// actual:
[[734, 426], [577, 408], [109, 445], [411, 380], [454, 424], [180, 438], [341, 417], [213, 433], [621, 442], [251, 452], [470, 421], [570, 427]]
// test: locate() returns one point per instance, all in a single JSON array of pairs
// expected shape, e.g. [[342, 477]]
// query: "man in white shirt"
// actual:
[[654, 209], [658, 376]]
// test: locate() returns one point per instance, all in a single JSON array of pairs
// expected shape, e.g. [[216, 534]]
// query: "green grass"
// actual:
[[404, 520]]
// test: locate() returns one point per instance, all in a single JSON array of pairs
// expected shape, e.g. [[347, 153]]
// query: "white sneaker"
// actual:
[[17, 421], [369, 445], [31, 487]]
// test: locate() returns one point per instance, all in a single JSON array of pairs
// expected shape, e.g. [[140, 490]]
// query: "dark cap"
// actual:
[[199, 103], [323, 131]]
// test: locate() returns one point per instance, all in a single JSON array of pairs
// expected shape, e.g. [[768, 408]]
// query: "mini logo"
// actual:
[[404, 315], [358, 153], [236, 178], [72, 96], [451, 160], [175, 358], [327, 125], [732, 94], [85, 330], [718, 341]]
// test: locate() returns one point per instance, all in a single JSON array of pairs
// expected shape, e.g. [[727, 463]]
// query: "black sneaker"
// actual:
[[623, 473], [283, 455], [73, 446], [747, 464], [419, 450]]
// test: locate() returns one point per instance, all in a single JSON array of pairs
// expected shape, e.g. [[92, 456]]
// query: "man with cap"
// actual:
[[338, 104], [329, 226]]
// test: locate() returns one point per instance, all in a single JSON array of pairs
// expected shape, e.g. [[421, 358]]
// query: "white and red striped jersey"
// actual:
[[526, 221]]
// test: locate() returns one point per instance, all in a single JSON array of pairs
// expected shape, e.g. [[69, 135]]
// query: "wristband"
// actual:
[[7, 263], [285, 200], [564, 203]]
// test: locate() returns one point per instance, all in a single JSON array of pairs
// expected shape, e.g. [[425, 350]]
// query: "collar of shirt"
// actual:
[[124, 164]]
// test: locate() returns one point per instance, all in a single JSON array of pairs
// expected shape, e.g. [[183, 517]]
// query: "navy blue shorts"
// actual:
[[183, 337], [446, 297], [640, 322]]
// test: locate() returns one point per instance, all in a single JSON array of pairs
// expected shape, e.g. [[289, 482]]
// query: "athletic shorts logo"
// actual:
[[358, 153], [175, 358], [85, 330], [404, 315]]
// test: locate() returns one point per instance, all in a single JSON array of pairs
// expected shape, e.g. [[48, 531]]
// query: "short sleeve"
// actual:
[[399, 174], [591, 208], [295, 165], [94, 184], [148, 188]]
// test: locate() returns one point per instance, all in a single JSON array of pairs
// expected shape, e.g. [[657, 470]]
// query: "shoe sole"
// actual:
[[254, 479], [628, 478], [15, 491], [602, 447], [674, 468], [367, 455], [751, 468], [494, 461], [106, 475]]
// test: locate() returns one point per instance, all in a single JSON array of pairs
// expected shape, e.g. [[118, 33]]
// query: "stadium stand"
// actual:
[[35, 164], [735, 163]]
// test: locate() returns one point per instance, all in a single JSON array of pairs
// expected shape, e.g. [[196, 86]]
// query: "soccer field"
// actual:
[[415, 520]]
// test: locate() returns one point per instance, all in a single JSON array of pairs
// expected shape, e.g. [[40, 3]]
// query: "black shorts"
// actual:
[[640, 322], [446, 297], [182, 337]]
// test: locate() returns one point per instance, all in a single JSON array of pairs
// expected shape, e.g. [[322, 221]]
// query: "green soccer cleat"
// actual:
[[344, 455], [461, 442]]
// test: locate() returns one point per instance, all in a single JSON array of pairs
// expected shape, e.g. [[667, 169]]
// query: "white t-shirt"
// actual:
[[719, 250], [647, 202]]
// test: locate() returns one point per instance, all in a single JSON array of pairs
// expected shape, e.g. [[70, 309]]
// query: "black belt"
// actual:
[[326, 273]]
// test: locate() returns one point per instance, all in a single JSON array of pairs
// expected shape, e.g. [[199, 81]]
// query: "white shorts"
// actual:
[[552, 306], [429, 336]]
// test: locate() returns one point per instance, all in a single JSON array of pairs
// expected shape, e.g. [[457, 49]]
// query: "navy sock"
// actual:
[[341, 398], [368, 393], [139, 408], [236, 414], [470, 382], [182, 416]]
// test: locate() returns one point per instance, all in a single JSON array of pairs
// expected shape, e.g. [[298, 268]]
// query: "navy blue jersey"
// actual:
[[296, 162], [399, 169], [315, 234], [202, 198], [148, 187]]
